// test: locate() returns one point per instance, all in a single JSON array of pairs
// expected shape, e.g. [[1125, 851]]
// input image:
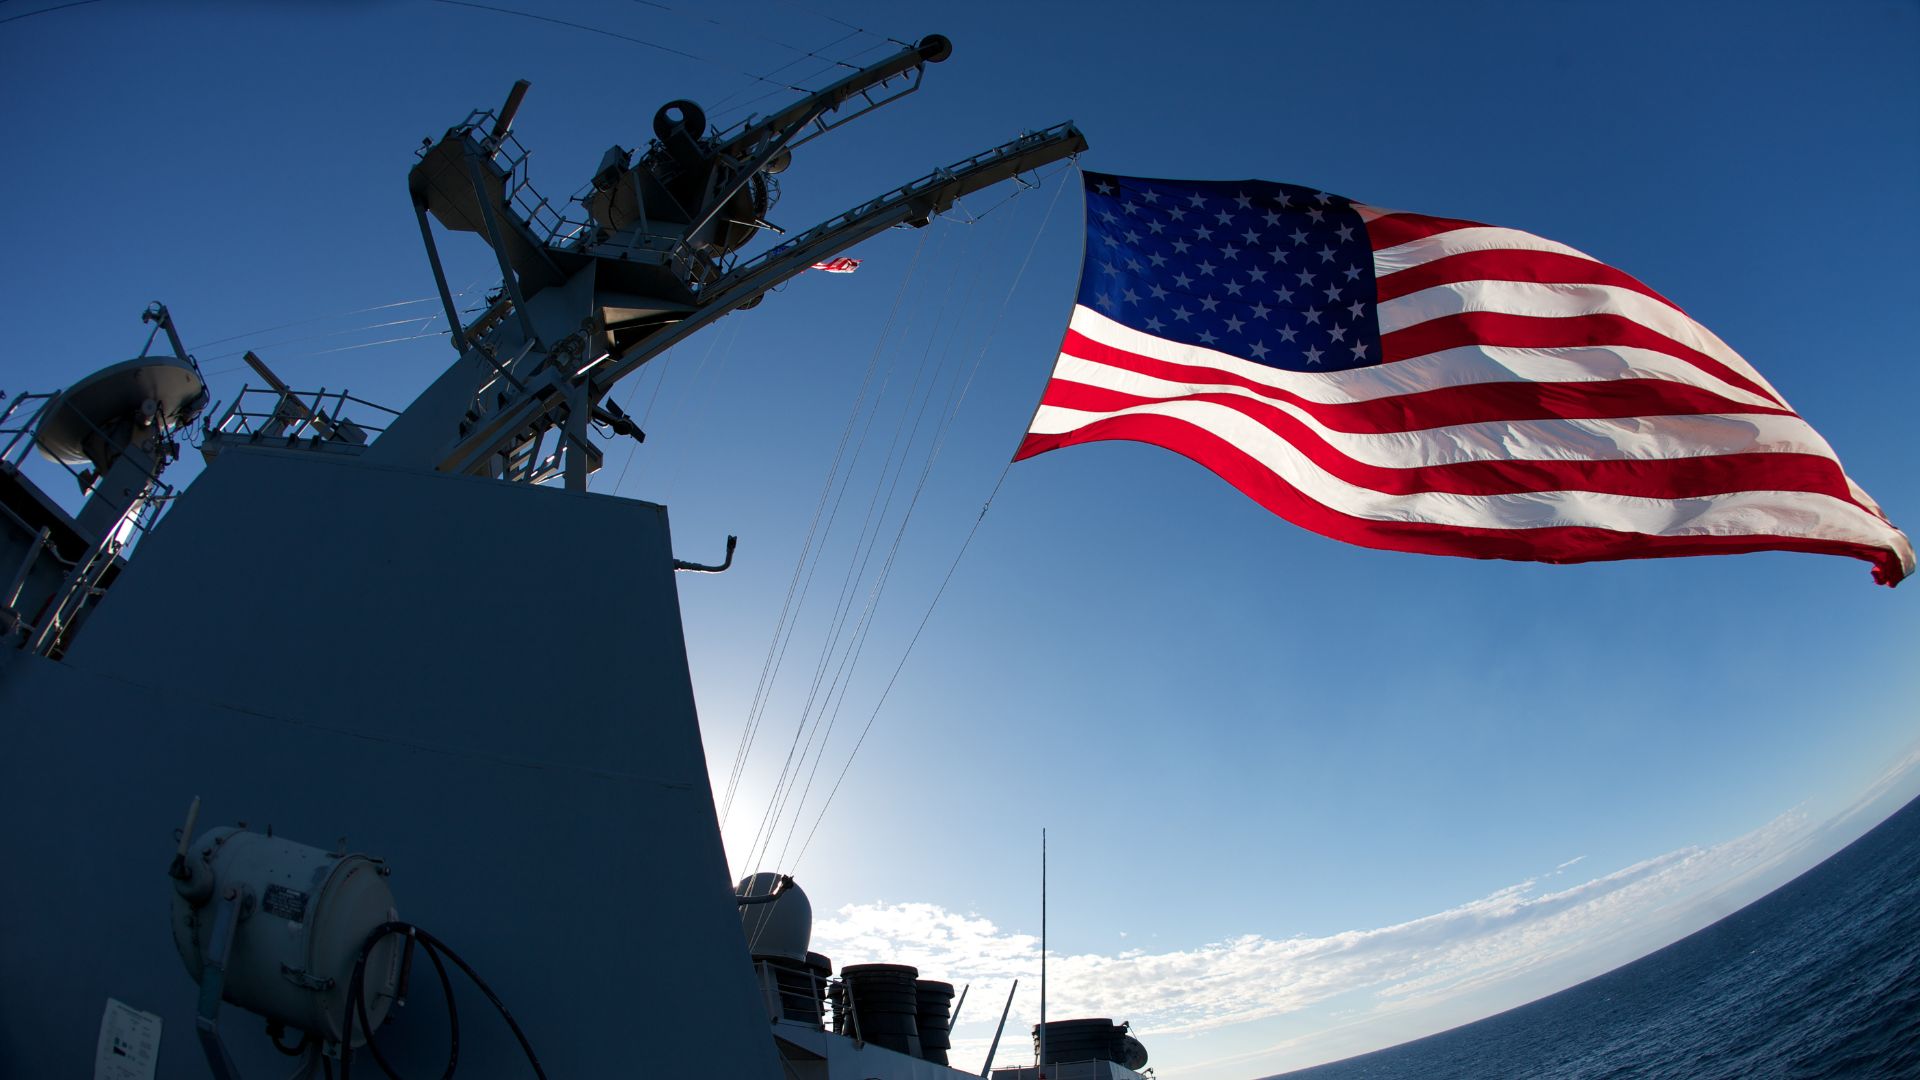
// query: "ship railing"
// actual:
[[86, 582], [553, 227], [792, 995], [1093, 1069], [904, 191], [261, 412], [690, 264], [18, 423], [86, 577], [19, 418], [506, 152]]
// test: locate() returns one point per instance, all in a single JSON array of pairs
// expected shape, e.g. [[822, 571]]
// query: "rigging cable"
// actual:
[[846, 62], [785, 627], [719, 115], [945, 581], [781, 633], [843, 22], [313, 319], [721, 340], [424, 322], [830, 707], [47, 10], [627, 408], [949, 412], [849, 659], [789, 770], [727, 347], [818, 724], [615, 34], [737, 27]]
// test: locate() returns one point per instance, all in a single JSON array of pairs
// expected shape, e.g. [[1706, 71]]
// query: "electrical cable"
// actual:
[[297, 1049], [435, 949]]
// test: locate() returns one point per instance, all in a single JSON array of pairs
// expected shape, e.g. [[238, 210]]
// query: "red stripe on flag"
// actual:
[[1392, 230], [1474, 403], [1650, 478], [1501, 329], [1514, 264], [1554, 544]]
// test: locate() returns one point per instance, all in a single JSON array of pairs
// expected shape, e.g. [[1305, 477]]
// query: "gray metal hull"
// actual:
[[431, 667]]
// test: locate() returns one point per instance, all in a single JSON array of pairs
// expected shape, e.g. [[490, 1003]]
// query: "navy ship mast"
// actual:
[[358, 629], [652, 258]]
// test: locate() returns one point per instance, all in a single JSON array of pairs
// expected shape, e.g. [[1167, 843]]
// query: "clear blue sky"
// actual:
[[1304, 799]]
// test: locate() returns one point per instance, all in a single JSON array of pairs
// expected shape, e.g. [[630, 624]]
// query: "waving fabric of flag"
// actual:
[[1433, 385]]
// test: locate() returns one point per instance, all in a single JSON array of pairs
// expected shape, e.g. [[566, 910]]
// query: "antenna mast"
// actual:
[[646, 254], [1040, 1066]]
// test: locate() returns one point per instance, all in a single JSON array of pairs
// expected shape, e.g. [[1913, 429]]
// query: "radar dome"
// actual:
[[781, 926]]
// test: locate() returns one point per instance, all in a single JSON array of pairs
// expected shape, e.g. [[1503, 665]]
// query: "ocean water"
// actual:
[[1819, 978]]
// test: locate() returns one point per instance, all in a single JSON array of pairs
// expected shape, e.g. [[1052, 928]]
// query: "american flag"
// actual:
[[842, 265], [1427, 384]]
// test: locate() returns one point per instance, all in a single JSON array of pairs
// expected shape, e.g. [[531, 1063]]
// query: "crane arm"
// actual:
[[914, 203]]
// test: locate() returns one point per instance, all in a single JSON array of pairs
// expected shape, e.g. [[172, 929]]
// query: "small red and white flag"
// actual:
[[838, 266]]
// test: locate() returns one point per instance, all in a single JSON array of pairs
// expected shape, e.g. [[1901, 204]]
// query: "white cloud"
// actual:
[[1519, 933], [1898, 776]]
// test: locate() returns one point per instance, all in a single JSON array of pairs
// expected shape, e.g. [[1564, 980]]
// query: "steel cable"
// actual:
[[768, 668], [763, 836], [954, 566]]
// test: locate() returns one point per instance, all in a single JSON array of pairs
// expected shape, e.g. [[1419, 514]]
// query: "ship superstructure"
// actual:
[[393, 644]]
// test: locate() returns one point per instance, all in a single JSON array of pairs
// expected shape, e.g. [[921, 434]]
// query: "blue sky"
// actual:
[[1304, 799]]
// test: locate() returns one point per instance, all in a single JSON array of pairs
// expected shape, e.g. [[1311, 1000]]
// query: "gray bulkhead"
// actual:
[[432, 667]]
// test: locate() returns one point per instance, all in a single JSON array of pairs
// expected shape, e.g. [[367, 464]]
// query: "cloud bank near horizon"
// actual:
[[1526, 929]]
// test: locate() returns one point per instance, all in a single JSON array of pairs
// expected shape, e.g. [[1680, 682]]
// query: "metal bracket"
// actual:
[[702, 568], [226, 917], [305, 981]]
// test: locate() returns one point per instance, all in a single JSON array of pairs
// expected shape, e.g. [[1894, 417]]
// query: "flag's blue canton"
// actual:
[[1275, 273]]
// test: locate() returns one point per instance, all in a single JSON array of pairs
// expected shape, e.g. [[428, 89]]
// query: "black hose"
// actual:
[[274, 1035], [357, 1006]]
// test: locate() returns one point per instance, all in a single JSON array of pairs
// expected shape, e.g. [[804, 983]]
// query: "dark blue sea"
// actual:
[[1819, 978]]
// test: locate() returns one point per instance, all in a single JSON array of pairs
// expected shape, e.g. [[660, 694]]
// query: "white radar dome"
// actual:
[[782, 926]]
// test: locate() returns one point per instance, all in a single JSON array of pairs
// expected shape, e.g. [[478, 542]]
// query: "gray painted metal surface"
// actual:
[[412, 661], [396, 648]]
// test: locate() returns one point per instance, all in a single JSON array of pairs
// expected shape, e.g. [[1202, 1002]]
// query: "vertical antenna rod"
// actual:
[[1040, 1069]]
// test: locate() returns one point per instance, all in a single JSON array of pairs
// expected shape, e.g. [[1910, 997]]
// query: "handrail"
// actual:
[[912, 202], [297, 413], [16, 448]]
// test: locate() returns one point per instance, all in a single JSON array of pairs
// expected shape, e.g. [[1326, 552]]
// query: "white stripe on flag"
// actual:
[[1629, 438], [1774, 513], [1460, 241], [1465, 366]]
